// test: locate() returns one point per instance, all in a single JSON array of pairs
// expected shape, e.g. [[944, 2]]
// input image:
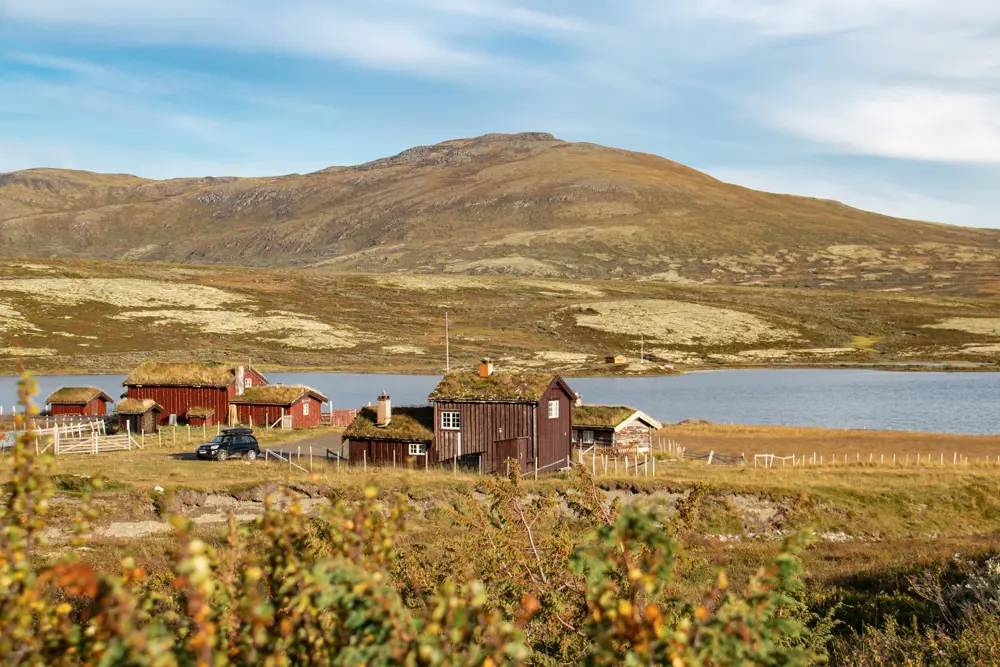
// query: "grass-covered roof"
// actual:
[[76, 396], [200, 412], [500, 386], [276, 394], [407, 424], [137, 406], [182, 375], [606, 416]]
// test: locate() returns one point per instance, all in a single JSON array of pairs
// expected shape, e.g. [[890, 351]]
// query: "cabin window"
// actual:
[[451, 420], [576, 435], [588, 436], [305, 409], [553, 409], [418, 449], [248, 383]]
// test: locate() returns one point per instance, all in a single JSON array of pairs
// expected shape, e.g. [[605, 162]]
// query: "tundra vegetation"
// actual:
[[105, 316], [431, 569]]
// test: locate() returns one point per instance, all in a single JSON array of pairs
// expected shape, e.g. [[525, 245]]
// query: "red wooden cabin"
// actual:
[[260, 406], [78, 401], [180, 387]]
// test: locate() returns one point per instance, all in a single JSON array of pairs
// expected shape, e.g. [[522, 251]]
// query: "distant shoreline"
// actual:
[[890, 366]]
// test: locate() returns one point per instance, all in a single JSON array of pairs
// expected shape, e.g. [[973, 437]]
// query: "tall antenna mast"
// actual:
[[447, 345]]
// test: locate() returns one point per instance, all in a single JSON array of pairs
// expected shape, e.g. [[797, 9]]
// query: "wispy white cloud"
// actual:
[[417, 36], [919, 123]]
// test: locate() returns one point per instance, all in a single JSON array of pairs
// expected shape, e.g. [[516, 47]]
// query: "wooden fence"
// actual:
[[337, 417]]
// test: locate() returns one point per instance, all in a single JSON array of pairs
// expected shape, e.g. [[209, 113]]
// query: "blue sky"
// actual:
[[889, 105]]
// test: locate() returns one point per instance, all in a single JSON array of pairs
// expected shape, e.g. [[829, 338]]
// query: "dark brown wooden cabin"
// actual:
[[615, 429], [260, 406], [385, 437], [138, 415], [78, 401], [481, 420], [180, 387]]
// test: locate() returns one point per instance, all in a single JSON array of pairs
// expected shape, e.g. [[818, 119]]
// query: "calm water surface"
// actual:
[[943, 402]]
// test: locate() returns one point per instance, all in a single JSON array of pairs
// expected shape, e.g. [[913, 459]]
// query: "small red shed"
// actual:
[[200, 416], [78, 401], [260, 406]]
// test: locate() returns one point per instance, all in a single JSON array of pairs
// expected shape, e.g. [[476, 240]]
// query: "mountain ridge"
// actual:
[[523, 204]]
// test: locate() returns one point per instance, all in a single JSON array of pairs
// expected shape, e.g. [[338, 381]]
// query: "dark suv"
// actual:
[[230, 443]]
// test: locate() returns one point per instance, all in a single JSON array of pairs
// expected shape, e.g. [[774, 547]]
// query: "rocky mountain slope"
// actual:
[[525, 204]]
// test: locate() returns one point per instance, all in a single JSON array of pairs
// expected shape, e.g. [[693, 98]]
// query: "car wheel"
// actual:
[[222, 455], [251, 455]]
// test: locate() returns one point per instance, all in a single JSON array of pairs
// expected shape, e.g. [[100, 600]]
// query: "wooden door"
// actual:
[[503, 450]]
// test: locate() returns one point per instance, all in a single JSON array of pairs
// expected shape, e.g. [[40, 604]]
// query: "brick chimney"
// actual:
[[485, 367], [384, 410]]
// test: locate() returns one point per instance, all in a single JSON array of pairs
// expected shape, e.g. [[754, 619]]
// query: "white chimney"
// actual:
[[384, 410]]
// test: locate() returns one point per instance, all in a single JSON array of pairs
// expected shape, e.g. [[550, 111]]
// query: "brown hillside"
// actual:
[[525, 204]]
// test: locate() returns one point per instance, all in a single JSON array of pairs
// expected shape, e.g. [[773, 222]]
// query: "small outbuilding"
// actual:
[[200, 416], [138, 415], [616, 427], [382, 436], [287, 406], [78, 401]]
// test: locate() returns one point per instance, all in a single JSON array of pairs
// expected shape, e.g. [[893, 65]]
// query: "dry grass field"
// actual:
[[63, 315], [855, 446]]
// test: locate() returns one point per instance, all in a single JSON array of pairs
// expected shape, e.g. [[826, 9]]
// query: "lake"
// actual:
[[828, 398]]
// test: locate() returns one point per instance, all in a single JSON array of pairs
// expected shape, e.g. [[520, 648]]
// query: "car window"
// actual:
[[217, 440]]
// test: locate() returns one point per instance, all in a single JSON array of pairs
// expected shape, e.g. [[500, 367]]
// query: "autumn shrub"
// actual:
[[336, 589]]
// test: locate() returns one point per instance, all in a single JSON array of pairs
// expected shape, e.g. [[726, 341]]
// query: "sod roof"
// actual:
[[607, 416], [276, 394], [200, 412], [407, 424], [500, 387], [137, 406], [155, 374], [76, 396]]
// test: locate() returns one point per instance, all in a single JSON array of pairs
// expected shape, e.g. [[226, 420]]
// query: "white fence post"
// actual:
[[711, 455]]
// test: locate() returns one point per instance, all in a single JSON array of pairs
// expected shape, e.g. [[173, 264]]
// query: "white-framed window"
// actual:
[[576, 435], [305, 409], [553, 409], [588, 436], [418, 449], [451, 420], [247, 383]]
